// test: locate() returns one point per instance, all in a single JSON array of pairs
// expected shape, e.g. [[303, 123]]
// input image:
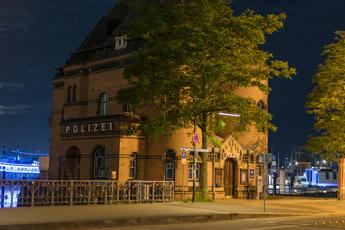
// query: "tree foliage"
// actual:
[[327, 102], [196, 53]]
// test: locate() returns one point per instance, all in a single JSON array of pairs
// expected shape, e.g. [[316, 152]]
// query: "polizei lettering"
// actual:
[[88, 128]]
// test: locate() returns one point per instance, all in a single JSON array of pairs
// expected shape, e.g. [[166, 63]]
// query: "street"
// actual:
[[304, 223]]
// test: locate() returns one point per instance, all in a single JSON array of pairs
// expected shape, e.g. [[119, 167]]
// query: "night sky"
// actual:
[[37, 36]]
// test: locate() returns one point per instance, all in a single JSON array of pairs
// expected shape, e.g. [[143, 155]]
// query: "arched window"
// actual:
[[100, 163], [133, 166], [170, 165], [74, 93], [103, 105], [170, 154], [69, 94]]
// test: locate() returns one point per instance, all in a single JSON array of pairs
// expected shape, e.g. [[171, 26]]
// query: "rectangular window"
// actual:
[[190, 172], [219, 178], [132, 168], [327, 175], [243, 177], [169, 171]]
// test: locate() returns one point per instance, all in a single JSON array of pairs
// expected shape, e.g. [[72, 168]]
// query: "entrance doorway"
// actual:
[[230, 177], [70, 164]]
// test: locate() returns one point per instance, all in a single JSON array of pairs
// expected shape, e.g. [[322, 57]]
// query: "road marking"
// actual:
[[276, 227]]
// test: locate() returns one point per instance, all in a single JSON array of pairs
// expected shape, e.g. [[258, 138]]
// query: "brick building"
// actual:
[[88, 138]]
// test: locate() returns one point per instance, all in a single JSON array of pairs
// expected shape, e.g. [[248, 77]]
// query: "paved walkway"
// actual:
[[64, 217]]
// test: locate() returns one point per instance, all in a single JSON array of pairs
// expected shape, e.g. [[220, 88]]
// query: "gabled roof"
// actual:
[[100, 43]]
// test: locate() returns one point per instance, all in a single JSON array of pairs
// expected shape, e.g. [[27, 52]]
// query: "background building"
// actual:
[[88, 126]]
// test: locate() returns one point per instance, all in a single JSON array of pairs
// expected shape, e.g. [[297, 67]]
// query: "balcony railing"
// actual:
[[21, 193]]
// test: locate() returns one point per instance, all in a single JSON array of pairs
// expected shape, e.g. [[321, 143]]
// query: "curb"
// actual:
[[143, 221]]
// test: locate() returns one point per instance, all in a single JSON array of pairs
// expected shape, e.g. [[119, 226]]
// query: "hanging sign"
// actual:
[[196, 138]]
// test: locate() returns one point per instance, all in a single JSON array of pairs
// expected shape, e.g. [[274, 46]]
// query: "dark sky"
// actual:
[[37, 36]]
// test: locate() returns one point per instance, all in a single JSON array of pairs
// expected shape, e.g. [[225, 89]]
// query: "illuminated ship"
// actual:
[[16, 165]]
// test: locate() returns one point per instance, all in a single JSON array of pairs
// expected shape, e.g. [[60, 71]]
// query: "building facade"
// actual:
[[88, 127]]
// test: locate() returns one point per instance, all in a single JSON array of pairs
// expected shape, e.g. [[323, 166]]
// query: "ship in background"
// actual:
[[17, 165]]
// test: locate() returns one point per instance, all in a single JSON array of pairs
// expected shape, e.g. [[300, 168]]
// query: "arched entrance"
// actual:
[[230, 166], [71, 164]]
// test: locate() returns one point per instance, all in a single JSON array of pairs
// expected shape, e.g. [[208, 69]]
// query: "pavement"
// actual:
[[70, 217]]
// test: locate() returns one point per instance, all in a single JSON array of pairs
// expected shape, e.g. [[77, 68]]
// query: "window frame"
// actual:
[[133, 166], [197, 171], [100, 163], [104, 104], [168, 168]]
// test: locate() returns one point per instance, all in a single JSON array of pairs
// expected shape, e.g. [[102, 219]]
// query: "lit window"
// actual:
[[120, 42], [133, 166], [103, 105], [100, 165], [190, 171], [169, 171]]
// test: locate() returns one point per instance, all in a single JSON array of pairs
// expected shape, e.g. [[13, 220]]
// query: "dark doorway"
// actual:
[[230, 177], [71, 164]]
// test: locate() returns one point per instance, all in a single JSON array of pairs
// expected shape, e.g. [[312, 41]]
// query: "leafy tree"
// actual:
[[195, 54], [327, 102]]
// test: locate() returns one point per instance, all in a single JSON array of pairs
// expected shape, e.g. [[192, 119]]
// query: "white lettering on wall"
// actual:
[[89, 128], [231, 155], [103, 125]]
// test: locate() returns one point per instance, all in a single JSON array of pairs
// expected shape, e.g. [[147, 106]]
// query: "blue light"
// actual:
[[19, 168]]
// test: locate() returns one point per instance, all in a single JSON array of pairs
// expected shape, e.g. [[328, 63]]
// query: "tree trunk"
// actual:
[[204, 158], [341, 178]]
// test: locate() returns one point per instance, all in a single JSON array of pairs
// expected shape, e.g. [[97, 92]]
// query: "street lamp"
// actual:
[[229, 114]]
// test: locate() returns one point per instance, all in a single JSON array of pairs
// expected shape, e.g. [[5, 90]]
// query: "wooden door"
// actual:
[[229, 177]]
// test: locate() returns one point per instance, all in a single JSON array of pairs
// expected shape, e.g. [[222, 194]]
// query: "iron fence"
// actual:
[[20, 193]]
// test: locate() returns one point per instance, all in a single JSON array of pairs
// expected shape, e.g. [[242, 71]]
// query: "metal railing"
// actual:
[[20, 193]]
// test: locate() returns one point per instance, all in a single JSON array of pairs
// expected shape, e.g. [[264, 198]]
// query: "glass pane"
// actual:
[[169, 174]]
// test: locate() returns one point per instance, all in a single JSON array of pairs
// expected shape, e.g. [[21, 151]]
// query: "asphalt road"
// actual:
[[306, 223]]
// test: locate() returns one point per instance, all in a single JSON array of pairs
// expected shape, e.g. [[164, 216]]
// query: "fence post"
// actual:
[[153, 192], [33, 194], [117, 192], [112, 192], [53, 192], [89, 193], [106, 193], [129, 192], [163, 192], [71, 196], [140, 188]]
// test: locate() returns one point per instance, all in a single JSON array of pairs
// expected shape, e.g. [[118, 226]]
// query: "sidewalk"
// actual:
[[64, 217]]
